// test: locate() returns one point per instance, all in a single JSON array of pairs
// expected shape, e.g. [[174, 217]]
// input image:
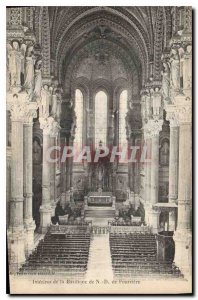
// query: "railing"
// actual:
[[129, 229], [69, 229], [97, 230]]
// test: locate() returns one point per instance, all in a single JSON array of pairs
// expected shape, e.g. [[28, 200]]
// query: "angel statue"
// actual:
[[45, 96], [29, 70], [15, 60], [166, 81], [175, 70], [156, 102], [38, 80]]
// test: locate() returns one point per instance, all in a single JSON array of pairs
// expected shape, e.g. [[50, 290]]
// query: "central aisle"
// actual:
[[99, 263]]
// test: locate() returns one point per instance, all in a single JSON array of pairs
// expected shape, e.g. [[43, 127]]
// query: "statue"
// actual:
[[14, 63], [44, 107], [164, 153], [156, 102], [37, 155], [38, 79], [175, 70], [58, 110], [29, 70], [147, 106], [100, 172], [166, 81]]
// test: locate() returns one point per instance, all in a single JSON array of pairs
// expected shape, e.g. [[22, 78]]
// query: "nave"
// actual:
[[99, 140], [100, 255]]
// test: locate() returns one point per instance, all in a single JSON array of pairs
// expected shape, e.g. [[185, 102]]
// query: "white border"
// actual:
[[193, 3]]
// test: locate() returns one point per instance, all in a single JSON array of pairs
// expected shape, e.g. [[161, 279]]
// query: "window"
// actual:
[[79, 119], [122, 122], [100, 119]]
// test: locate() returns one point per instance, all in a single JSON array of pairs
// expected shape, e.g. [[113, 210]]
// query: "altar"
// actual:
[[99, 207], [99, 199]]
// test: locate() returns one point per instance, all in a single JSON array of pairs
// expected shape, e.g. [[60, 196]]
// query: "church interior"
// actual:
[[100, 79]]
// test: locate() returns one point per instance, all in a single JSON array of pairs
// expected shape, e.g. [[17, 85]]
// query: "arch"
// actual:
[[132, 34], [86, 51]]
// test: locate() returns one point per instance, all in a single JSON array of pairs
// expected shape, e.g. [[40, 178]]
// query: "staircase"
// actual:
[[99, 263], [135, 255]]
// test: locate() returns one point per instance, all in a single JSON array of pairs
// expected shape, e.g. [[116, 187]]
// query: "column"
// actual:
[[111, 130], [63, 172], [16, 224], [45, 208], [53, 175], [29, 223], [147, 192], [173, 164], [173, 160], [137, 169], [131, 142], [155, 128], [183, 234]]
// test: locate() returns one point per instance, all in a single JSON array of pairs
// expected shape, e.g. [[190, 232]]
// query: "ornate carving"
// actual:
[[15, 16], [156, 101], [21, 109], [154, 127], [166, 81], [49, 126], [180, 112], [15, 59], [38, 80], [29, 70], [175, 70], [172, 118]]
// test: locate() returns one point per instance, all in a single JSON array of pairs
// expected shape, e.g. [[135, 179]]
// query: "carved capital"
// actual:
[[155, 126], [180, 112], [49, 126], [183, 109], [20, 107], [171, 115]]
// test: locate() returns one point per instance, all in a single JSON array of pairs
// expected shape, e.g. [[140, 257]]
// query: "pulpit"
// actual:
[[165, 246]]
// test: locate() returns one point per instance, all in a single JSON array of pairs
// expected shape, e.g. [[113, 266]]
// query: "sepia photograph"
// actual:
[[99, 149]]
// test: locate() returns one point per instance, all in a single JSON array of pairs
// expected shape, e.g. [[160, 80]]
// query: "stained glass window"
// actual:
[[122, 122], [79, 119], [100, 119]]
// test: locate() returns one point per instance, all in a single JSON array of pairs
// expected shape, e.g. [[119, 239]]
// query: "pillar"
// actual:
[[147, 164], [155, 128], [45, 208], [173, 159], [183, 234], [16, 236], [131, 142], [29, 223], [137, 168], [53, 176], [63, 172], [68, 164], [173, 164]]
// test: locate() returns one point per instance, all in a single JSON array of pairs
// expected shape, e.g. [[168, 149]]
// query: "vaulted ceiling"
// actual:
[[134, 36]]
